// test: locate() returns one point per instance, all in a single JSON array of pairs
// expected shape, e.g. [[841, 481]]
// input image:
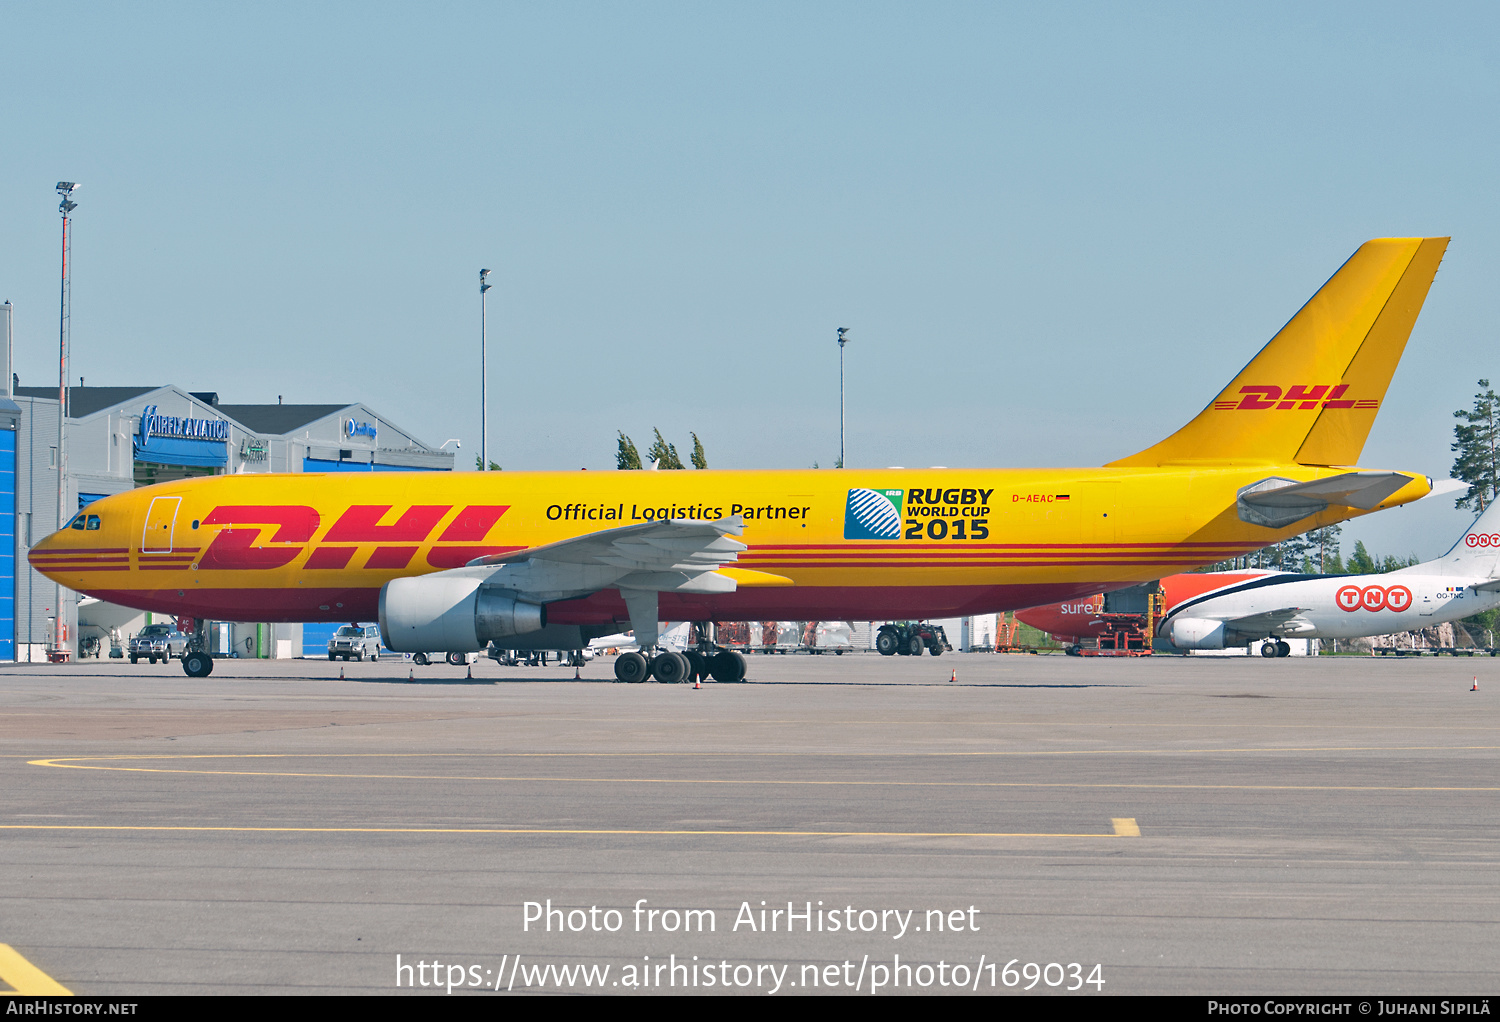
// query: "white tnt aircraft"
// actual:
[[1462, 582]]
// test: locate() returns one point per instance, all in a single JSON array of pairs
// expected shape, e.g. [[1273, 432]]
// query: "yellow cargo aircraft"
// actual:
[[453, 561]]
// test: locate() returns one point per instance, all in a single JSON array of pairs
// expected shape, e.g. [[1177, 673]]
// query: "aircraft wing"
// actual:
[[673, 555], [1278, 502], [1266, 623], [1486, 587]]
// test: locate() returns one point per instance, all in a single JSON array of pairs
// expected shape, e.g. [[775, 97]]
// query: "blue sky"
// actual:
[[1054, 231]]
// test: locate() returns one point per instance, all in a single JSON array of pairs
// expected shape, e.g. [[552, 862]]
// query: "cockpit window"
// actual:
[[77, 523], [93, 525]]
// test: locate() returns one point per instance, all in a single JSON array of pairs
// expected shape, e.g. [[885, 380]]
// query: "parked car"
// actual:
[[157, 642], [355, 642]]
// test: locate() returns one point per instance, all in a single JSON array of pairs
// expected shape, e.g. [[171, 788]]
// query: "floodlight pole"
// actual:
[[484, 406], [843, 340], [65, 207]]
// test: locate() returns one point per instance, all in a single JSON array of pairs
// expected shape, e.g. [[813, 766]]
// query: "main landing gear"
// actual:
[[706, 661], [1275, 647], [196, 662]]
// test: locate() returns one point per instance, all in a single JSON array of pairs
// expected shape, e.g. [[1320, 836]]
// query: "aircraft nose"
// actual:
[[92, 540], [51, 552]]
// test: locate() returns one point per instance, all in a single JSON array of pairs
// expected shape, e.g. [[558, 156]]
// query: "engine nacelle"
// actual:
[[451, 615], [1196, 633]]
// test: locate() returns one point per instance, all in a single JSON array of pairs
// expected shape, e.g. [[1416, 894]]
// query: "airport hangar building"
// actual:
[[119, 438]]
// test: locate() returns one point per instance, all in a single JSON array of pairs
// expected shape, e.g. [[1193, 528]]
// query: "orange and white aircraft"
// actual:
[[452, 561]]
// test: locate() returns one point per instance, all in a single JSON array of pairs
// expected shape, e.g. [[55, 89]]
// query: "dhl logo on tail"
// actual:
[[1303, 398]]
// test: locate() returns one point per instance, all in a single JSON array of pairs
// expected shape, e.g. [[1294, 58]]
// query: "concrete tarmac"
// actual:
[[1197, 825]]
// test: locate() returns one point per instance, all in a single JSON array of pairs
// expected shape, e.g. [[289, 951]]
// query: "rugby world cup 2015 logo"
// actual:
[[873, 514]]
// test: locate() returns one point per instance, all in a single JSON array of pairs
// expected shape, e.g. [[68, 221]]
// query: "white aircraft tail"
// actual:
[[1477, 552]]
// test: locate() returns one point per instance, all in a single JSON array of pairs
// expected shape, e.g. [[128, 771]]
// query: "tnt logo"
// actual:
[[1373, 598], [1304, 397], [1482, 539]]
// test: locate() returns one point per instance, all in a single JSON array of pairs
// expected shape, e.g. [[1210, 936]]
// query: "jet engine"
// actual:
[[432, 613], [1192, 633]]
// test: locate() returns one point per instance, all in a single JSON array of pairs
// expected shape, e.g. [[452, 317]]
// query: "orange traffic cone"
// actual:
[[471, 672], [1476, 684], [575, 673], [341, 672], [411, 674], [697, 683], [955, 675]]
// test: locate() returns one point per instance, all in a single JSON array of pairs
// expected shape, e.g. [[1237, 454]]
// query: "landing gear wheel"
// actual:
[[458, 659], [1283, 649], [914, 646], [420, 659], [1073, 650], [886, 643], [669, 668], [727, 665], [697, 665], [1268, 649], [631, 668], [198, 665]]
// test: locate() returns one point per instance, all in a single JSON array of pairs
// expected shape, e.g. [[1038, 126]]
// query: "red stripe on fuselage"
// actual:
[[846, 603]]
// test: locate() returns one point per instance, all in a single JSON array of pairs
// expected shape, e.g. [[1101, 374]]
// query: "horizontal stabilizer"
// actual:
[[1277, 502]]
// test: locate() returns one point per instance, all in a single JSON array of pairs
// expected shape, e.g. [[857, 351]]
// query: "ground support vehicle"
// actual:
[[355, 642], [1123, 635], [157, 642], [909, 638]]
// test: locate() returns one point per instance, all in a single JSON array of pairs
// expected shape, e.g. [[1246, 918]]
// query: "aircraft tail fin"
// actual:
[[1310, 396], [1476, 554]]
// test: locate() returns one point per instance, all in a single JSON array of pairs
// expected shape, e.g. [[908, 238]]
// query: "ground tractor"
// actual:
[[909, 638]]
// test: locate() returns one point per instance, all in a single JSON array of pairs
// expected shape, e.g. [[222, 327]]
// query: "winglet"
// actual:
[[1310, 396]]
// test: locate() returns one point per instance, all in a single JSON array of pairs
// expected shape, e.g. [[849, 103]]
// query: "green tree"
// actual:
[[479, 465], [1360, 562], [1477, 442], [664, 454], [1323, 550], [626, 456], [699, 459], [1391, 563]]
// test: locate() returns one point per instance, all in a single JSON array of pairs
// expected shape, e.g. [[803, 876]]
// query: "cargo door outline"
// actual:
[[161, 518]]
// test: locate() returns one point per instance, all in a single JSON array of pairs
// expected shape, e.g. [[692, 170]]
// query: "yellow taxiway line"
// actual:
[[81, 763], [25, 979]]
